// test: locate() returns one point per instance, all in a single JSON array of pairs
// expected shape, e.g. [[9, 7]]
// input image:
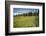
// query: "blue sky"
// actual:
[[24, 10]]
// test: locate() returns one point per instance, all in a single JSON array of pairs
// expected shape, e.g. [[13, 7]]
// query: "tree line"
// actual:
[[29, 14]]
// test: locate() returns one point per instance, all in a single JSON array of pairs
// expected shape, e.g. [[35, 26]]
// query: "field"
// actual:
[[25, 21]]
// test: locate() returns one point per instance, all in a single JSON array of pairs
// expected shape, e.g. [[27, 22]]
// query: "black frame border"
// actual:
[[7, 19]]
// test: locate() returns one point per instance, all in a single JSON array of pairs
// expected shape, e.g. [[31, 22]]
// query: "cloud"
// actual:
[[17, 11]]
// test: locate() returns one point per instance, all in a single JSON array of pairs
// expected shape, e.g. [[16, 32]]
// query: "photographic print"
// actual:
[[24, 17]]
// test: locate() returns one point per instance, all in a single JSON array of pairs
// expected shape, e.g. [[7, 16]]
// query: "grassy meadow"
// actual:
[[25, 21]]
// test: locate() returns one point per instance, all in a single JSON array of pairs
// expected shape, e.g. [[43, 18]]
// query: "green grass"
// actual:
[[25, 21]]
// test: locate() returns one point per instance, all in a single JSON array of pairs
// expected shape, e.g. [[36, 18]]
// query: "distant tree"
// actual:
[[30, 14]]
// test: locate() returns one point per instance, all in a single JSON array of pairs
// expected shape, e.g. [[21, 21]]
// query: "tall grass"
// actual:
[[25, 21]]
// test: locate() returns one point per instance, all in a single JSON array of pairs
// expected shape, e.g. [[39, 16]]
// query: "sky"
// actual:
[[17, 11]]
